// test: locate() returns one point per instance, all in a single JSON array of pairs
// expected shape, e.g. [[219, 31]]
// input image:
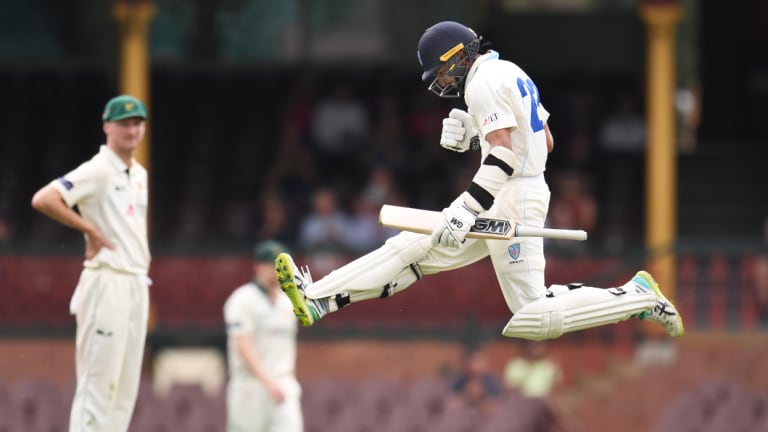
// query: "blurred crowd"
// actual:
[[347, 157], [309, 157], [342, 148]]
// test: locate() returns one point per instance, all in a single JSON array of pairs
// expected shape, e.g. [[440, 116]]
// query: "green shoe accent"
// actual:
[[288, 275], [664, 312]]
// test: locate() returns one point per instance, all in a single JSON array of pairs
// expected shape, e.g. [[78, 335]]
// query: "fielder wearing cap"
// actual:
[[263, 392], [123, 107], [111, 299]]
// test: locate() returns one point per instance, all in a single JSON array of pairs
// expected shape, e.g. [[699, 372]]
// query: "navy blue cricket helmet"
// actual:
[[440, 44]]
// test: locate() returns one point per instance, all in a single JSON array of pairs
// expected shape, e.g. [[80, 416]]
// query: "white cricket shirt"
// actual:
[[114, 199], [271, 327], [499, 94]]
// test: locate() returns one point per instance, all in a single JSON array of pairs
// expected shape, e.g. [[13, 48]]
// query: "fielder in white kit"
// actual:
[[506, 114], [263, 394], [111, 300]]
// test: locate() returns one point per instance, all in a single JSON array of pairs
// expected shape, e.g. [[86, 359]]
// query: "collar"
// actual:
[[490, 55], [259, 287], [113, 159]]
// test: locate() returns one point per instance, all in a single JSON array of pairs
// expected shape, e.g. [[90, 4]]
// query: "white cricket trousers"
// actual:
[[250, 408], [519, 263], [111, 309]]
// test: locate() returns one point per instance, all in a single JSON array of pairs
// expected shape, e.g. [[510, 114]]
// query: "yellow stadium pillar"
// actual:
[[661, 19], [133, 19]]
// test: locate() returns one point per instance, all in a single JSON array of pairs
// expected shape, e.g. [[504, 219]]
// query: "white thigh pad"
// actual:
[[579, 309]]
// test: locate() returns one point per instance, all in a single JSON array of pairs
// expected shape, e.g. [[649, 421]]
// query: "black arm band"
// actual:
[[482, 196], [494, 161]]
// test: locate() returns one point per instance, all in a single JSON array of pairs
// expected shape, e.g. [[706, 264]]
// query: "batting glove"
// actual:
[[459, 133], [458, 219]]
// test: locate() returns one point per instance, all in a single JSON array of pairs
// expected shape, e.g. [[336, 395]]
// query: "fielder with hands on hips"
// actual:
[[507, 120], [263, 394], [111, 300]]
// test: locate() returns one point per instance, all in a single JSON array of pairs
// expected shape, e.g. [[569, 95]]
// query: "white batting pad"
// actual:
[[579, 309], [387, 267]]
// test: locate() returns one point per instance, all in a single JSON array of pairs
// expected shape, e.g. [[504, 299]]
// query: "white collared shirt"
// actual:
[[499, 95], [114, 198], [271, 326]]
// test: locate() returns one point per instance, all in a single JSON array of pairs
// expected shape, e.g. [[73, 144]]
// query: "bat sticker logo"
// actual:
[[492, 226]]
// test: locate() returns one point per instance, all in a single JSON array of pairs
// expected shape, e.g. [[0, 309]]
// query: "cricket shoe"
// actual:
[[663, 312], [293, 282]]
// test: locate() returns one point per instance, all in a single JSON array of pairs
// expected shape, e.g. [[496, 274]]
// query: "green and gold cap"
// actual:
[[123, 107], [268, 250]]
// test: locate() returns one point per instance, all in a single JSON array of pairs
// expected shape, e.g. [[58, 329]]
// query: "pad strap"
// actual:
[[490, 178]]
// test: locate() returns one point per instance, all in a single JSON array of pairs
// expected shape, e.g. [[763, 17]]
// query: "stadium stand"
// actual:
[[711, 382], [188, 292], [716, 405]]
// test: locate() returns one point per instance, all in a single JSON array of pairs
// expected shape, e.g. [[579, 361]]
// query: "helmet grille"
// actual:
[[472, 48]]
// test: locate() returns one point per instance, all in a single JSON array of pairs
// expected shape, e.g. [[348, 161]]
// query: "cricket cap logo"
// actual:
[[122, 107]]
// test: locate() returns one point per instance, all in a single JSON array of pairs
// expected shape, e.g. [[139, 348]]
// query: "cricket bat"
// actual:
[[425, 221]]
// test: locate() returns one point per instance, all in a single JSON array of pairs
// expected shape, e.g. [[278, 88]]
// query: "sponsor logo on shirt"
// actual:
[[491, 118]]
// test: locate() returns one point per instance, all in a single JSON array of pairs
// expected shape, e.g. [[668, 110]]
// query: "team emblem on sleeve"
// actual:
[[514, 251]]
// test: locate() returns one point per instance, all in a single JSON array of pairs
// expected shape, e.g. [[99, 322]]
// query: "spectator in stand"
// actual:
[[534, 373], [293, 169], [339, 130], [389, 144], [623, 131], [365, 231], [381, 188], [324, 234], [476, 385], [324, 229], [573, 206], [272, 220]]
